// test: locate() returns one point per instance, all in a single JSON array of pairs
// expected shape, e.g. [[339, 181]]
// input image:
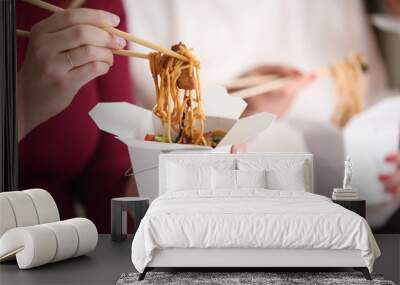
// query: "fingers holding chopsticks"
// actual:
[[277, 70], [76, 27], [88, 54], [275, 96], [82, 34], [85, 73], [65, 51], [298, 83], [71, 38], [67, 18]]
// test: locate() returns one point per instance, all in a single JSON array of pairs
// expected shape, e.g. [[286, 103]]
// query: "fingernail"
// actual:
[[391, 158], [383, 177], [120, 42], [114, 19], [392, 189]]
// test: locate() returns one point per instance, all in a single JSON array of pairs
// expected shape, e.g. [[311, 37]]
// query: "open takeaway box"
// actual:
[[130, 124]]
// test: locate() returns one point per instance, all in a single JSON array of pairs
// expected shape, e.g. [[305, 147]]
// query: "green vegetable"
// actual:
[[160, 138]]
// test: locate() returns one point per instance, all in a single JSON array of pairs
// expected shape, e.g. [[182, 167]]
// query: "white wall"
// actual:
[[230, 37]]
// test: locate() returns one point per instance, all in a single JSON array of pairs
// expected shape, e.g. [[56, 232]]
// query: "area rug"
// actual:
[[268, 278]]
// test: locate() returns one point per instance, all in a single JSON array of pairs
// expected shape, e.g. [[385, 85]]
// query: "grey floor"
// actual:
[[110, 260], [389, 262], [103, 266]]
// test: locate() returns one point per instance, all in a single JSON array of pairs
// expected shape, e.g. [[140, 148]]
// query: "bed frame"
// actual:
[[256, 259], [246, 259]]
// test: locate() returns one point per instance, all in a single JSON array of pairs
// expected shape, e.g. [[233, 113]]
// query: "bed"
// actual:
[[246, 211]]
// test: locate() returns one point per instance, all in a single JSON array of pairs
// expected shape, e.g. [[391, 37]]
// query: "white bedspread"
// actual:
[[250, 219]]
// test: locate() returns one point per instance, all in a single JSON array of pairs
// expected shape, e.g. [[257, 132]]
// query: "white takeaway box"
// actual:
[[130, 123], [368, 138]]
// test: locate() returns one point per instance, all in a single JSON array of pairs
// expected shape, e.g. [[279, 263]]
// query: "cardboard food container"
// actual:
[[130, 123], [368, 138]]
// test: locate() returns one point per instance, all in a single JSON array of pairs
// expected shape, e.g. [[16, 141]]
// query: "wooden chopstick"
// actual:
[[22, 33], [356, 58], [262, 88], [44, 5], [135, 39], [271, 83], [123, 52], [75, 4], [130, 53], [114, 31], [248, 81]]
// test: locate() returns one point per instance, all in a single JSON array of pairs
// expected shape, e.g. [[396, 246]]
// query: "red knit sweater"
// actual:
[[68, 155]]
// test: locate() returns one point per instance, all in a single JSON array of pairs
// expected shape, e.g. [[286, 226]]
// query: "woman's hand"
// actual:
[[66, 51], [277, 101], [392, 182]]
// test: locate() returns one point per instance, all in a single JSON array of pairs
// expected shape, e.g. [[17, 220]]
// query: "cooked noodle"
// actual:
[[181, 113], [348, 76]]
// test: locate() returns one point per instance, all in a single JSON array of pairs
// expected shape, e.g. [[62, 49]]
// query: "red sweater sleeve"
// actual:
[[104, 177], [68, 155]]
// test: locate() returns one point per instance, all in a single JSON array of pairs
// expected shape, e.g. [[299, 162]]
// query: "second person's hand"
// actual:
[[392, 181], [277, 101], [66, 51]]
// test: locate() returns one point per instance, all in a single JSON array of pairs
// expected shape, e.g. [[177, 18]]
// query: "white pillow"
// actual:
[[183, 177], [285, 174], [292, 179], [223, 179], [251, 178]]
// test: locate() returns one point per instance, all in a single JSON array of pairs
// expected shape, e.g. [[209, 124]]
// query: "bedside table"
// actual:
[[136, 206], [356, 206]]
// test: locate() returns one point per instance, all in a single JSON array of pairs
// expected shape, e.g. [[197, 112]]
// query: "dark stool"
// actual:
[[136, 206]]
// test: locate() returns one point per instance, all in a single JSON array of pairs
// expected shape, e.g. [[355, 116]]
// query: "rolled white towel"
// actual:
[[40, 244], [7, 218], [26, 208], [33, 246], [67, 240], [87, 234], [23, 208], [45, 205]]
